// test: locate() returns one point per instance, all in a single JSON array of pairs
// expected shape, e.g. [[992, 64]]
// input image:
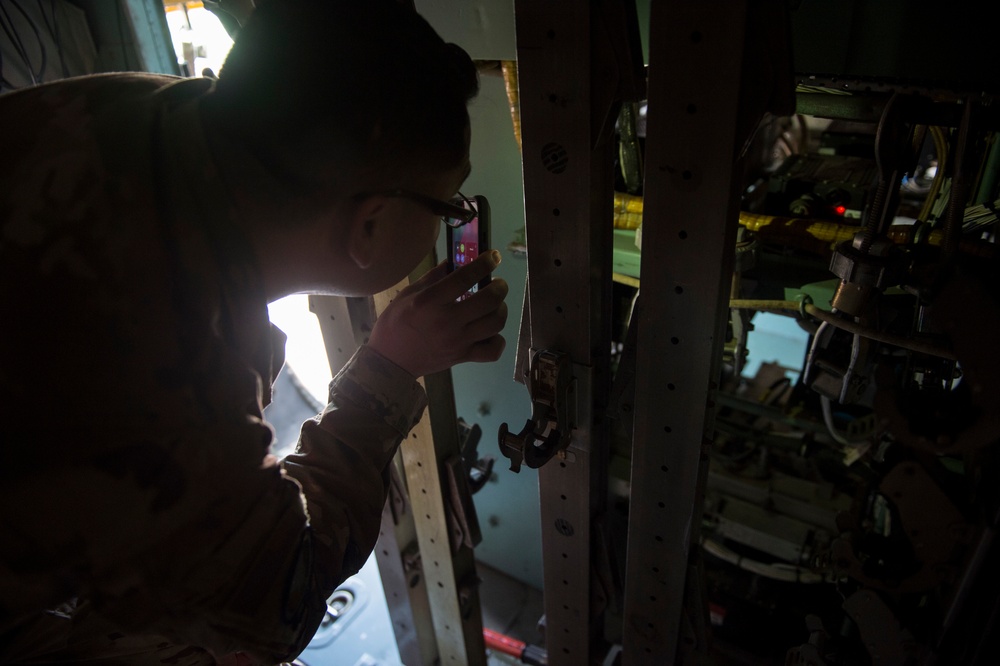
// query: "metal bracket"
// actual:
[[462, 518], [477, 469], [548, 431], [835, 370]]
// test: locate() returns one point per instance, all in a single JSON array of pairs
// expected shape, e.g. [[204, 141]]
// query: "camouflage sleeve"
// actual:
[[342, 458], [205, 545], [341, 468], [309, 524]]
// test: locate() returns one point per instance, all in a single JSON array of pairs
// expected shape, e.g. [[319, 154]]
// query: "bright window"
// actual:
[[200, 41]]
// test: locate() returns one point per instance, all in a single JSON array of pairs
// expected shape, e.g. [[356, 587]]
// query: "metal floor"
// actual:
[[362, 635]]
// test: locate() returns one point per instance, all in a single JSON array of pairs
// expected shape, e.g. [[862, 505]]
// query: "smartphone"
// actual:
[[470, 240]]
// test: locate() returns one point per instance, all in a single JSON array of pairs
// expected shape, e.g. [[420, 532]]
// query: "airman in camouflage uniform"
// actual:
[[143, 519]]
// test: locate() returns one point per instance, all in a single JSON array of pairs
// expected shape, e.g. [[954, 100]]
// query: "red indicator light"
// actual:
[[840, 210]]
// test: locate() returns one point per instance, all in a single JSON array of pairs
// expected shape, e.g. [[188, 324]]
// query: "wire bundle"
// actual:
[[980, 217], [19, 46]]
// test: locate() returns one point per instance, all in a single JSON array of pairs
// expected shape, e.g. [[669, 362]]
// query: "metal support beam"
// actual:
[[404, 584], [691, 210], [425, 548], [345, 324], [446, 548], [573, 65]]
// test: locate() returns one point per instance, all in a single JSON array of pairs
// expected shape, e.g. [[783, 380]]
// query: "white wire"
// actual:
[[784, 572], [832, 429]]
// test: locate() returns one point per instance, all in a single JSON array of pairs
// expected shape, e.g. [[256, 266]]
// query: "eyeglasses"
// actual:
[[453, 215]]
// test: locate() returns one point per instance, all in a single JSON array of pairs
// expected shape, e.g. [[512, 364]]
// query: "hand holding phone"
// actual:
[[470, 240], [428, 327]]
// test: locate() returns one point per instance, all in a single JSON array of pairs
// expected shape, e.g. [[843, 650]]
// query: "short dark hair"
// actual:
[[324, 87]]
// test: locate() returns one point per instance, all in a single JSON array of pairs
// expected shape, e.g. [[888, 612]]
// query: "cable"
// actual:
[[501, 643], [3, 81], [7, 24], [15, 40], [121, 33], [878, 336], [784, 572], [838, 322], [532, 655], [509, 69], [38, 77], [765, 305], [54, 31], [941, 151], [831, 427]]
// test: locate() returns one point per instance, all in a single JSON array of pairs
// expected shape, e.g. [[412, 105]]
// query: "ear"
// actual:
[[365, 224]]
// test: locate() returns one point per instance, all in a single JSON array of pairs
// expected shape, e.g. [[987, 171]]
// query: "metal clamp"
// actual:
[[461, 512], [477, 469], [548, 431]]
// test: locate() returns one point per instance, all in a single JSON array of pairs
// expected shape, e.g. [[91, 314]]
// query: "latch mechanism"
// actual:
[[548, 431]]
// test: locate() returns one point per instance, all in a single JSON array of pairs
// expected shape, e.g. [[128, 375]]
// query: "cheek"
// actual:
[[420, 244], [428, 238]]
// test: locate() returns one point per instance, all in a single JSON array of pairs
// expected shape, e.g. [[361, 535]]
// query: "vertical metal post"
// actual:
[[400, 567], [430, 455], [345, 324], [429, 577], [690, 216], [568, 190]]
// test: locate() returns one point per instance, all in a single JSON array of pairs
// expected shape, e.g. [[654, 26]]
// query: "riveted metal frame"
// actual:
[[430, 589], [345, 323], [689, 223], [449, 572], [568, 190]]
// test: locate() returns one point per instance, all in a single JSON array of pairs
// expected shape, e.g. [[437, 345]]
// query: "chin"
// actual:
[[347, 292], [365, 287]]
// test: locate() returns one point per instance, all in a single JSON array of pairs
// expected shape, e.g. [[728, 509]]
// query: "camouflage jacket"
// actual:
[[135, 363]]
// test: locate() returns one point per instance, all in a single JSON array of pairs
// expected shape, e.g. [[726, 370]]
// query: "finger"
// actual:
[[483, 302], [486, 351], [431, 276], [486, 326], [418, 287], [459, 282]]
